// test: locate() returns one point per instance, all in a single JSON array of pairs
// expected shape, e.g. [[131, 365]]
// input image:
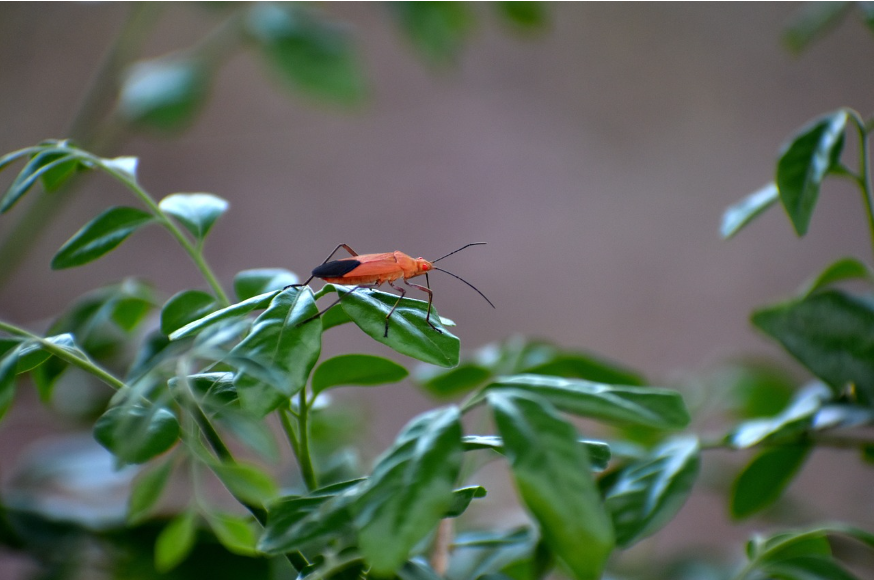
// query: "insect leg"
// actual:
[[390, 312], [331, 255], [430, 298], [336, 302]]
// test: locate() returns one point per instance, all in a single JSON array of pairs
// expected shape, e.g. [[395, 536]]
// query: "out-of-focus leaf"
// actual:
[[175, 541], [451, 382], [312, 54], [575, 365], [554, 480], [233, 311], [763, 480], [461, 499], [135, 433], [746, 210], [829, 332], [524, 15], [126, 166], [649, 492], [247, 482], [100, 236], [437, 30], [164, 94], [811, 22], [804, 163], [44, 164], [249, 283], [235, 533], [648, 406], [196, 211], [598, 451], [356, 369], [839, 271], [184, 308], [793, 419], [147, 489], [7, 380], [32, 355]]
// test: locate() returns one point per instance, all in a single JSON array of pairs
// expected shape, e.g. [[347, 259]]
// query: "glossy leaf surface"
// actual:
[[746, 210], [249, 283], [196, 211], [356, 369], [233, 311], [185, 307], [100, 236], [598, 451], [763, 480], [135, 433]]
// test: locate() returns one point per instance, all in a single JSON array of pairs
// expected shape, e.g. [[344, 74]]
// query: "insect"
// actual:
[[369, 271]]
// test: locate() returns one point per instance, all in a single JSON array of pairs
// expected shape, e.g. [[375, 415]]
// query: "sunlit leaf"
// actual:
[[746, 210], [796, 417], [196, 211]]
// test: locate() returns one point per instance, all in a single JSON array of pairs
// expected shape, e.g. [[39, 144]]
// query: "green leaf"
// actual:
[[437, 30], [43, 164], [235, 533], [648, 406], [129, 312], [126, 166], [147, 489], [839, 271], [32, 355], [804, 163], [811, 22], [808, 567], [746, 210], [452, 382], [184, 308], [164, 94], [356, 369], [7, 380], [247, 482], [196, 211], [233, 311], [311, 54], [99, 236], [249, 283], [576, 365], [281, 341], [598, 451], [408, 333], [461, 499], [648, 493], [554, 480], [175, 541], [524, 15], [796, 417], [830, 333], [135, 433], [763, 480], [410, 489]]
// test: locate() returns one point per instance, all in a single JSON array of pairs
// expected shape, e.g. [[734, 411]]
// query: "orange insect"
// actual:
[[372, 270]]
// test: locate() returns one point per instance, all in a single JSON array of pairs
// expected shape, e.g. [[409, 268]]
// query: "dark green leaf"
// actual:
[[313, 55], [867, 9], [811, 22], [523, 14], [196, 211], [461, 499], [649, 492], [356, 369], [164, 94], [437, 30], [796, 417], [184, 308], [451, 382], [410, 489], [575, 365], [249, 283], [55, 177], [839, 271], [235, 533], [830, 333], [598, 451], [808, 568], [648, 406], [129, 312], [175, 541], [233, 311], [804, 163], [554, 480], [45, 163], [281, 341], [247, 482], [7, 380], [746, 210], [147, 489], [135, 433], [99, 236], [762, 482]]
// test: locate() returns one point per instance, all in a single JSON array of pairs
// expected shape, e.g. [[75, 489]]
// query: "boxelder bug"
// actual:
[[372, 270]]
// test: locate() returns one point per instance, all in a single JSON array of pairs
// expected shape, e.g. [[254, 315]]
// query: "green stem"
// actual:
[[306, 462], [81, 362], [864, 170], [285, 420]]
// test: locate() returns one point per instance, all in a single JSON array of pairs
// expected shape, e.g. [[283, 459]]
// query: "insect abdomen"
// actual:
[[335, 269]]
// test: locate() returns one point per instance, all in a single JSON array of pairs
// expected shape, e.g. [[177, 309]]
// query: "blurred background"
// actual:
[[594, 152]]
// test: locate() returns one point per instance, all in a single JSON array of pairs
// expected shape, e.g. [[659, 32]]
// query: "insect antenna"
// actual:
[[455, 252], [462, 279]]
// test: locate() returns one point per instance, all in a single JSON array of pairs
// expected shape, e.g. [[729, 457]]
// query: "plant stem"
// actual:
[[306, 462], [289, 432], [864, 180], [81, 362]]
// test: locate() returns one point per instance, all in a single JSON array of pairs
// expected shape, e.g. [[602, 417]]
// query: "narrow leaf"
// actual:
[[356, 369], [184, 308], [196, 211], [40, 165], [233, 311], [554, 480], [146, 490], [762, 482], [175, 541], [746, 210], [99, 236], [839, 271], [249, 283]]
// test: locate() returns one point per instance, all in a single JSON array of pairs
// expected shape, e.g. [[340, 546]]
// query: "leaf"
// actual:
[[281, 341], [554, 480], [231, 312], [135, 433], [249, 283], [164, 94], [763, 480], [737, 216], [808, 567], [146, 490], [99, 236], [410, 489], [461, 499], [235, 533], [247, 483], [125, 166], [408, 333], [7, 380], [830, 333], [356, 369], [311, 54], [452, 382], [811, 22], [648, 406], [523, 14], [196, 211], [838, 271], [184, 308], [31, 354], [437, 30], [129, 312], [45, 163], [648, 493], [804, 163], [796, 417], [175, 541], [598, 451], [585, 366]]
